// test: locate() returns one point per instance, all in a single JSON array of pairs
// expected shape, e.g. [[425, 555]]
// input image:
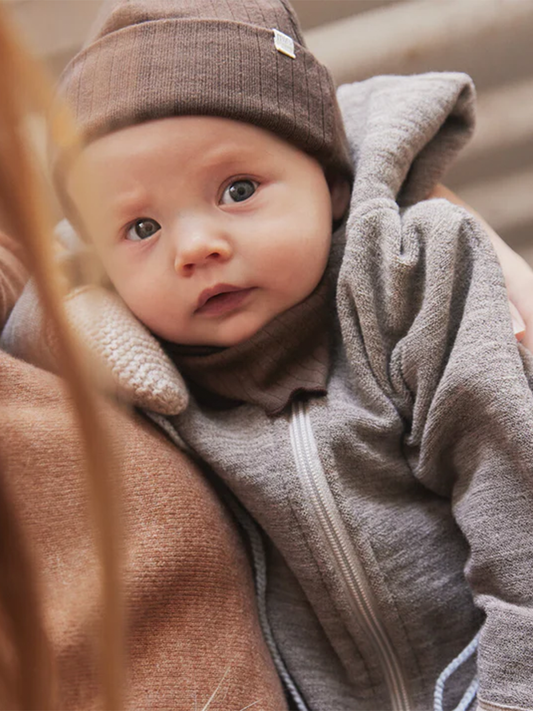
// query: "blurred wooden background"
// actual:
[[492, 40]]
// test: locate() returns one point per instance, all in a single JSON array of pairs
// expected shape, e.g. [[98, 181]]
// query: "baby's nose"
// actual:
[[199, 250]]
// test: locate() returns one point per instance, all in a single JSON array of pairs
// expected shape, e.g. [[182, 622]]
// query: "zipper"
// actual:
[[347, 563]]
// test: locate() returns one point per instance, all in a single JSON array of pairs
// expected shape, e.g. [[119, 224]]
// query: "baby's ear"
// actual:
[[340, 191]]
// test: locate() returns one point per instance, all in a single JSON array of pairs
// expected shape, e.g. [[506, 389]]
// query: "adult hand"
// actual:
[[517, 273]]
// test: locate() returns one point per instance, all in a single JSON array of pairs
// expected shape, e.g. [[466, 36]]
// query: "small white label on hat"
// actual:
[[284, 43]]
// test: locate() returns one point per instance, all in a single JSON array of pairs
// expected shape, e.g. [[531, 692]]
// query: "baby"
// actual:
[[357, 388]]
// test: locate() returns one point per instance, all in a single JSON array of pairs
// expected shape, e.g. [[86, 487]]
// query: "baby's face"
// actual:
[[210, 227]]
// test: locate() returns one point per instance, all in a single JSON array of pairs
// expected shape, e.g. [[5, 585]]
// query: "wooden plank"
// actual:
[[489, 39], [505, 201], [53, 26]]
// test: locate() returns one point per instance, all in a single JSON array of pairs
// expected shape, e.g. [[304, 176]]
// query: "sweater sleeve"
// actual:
[[433, 325]]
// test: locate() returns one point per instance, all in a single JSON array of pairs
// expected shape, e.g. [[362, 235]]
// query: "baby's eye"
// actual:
[[238, 191], [142, 229]]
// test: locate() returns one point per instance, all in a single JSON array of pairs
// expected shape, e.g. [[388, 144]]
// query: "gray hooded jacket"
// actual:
[[397, 508]]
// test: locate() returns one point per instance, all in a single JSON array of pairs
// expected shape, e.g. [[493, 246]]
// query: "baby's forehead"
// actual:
[[191, 142]]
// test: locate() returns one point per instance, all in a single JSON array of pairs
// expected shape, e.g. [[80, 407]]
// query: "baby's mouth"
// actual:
[[221, 299]]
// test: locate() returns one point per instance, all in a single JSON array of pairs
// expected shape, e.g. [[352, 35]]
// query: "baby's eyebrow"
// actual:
[[129, 204], [235, 155]]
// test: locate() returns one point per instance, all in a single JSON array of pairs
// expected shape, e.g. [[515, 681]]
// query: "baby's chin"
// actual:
[[223, 335]]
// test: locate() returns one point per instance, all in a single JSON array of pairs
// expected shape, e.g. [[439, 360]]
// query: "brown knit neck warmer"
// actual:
[[290, 355]]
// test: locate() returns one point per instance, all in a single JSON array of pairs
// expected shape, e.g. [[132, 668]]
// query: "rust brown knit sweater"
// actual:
[[192, 624]]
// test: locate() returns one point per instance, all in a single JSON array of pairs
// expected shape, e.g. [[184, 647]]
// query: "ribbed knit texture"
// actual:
[[150, 59]]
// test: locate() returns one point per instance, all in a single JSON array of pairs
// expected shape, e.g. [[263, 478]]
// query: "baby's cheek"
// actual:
[[305, 261], [161, 313], [137, 295], [152, 317]]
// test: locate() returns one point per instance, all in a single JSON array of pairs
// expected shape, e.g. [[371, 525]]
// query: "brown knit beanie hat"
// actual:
[[240, 59]]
